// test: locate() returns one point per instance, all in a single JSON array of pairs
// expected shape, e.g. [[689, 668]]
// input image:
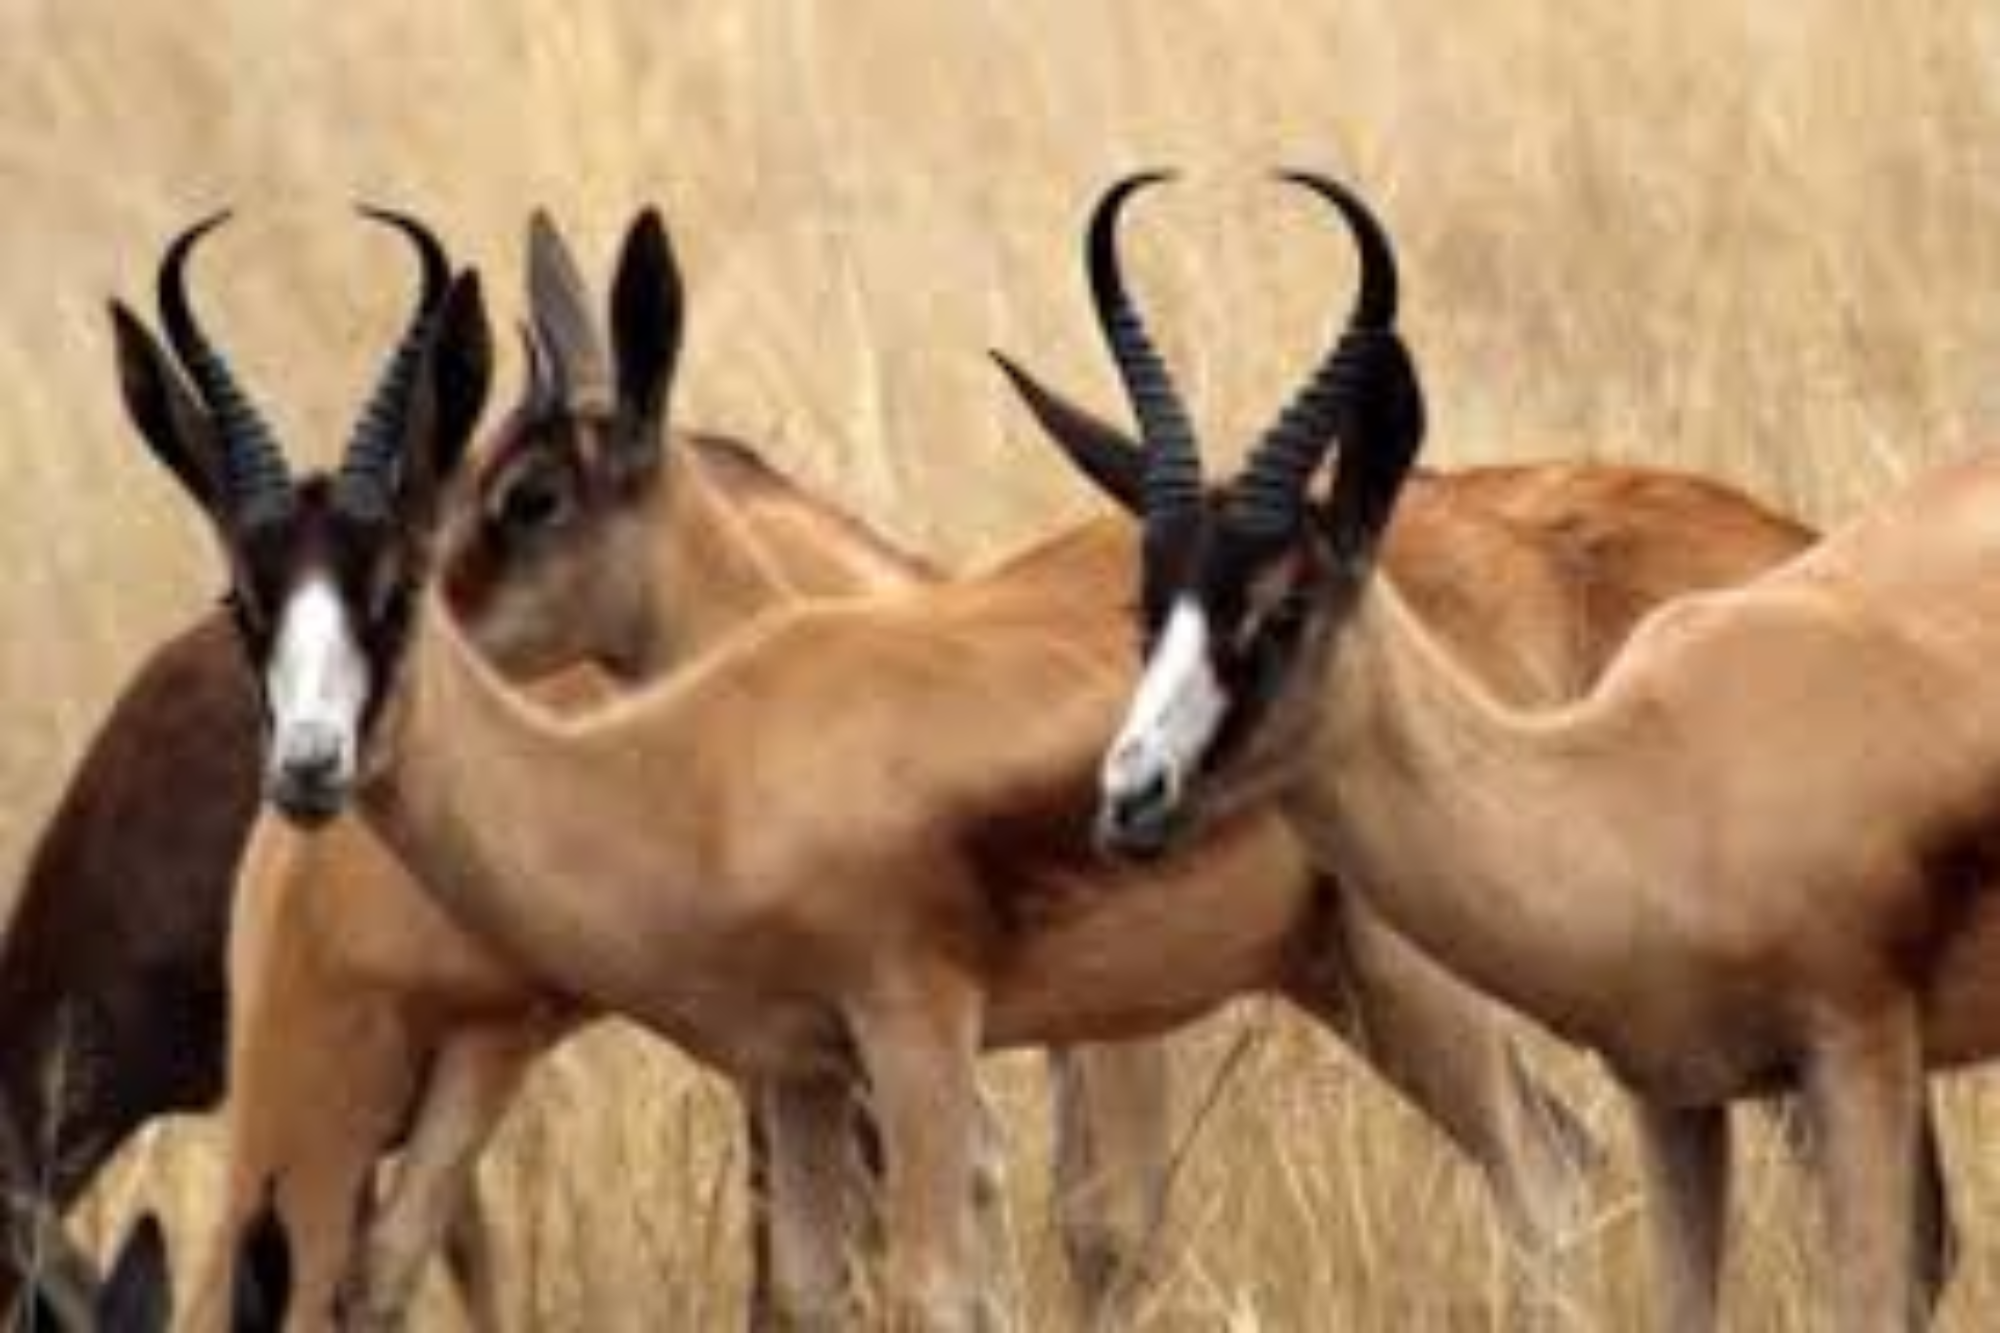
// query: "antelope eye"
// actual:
[[535, 502], [244, 608], [388, 587]]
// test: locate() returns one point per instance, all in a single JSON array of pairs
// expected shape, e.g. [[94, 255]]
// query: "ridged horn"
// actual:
[[256, 482], [369, 471], [1172, 484], [1269, 496]]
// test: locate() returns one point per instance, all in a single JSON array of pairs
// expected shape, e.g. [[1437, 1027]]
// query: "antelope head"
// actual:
[[324, 570], [545, 563], [1246, 584]]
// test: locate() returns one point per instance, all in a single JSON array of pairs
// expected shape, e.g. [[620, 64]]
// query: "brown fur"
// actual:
[[885, 927], [112, 1001], [1754, 856], [665, 549], [335, 944]]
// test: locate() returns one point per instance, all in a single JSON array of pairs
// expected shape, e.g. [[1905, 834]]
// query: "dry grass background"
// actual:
[[1761, 240]]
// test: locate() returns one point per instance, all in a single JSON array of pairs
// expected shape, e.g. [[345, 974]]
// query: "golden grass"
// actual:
[[1758, 240]]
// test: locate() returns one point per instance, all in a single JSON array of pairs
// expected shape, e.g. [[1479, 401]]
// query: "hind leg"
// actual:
[[1935, 1241]]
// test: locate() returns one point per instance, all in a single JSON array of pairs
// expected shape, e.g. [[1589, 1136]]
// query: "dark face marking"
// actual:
[[1238, 583], [325, 600], [1225, 616]]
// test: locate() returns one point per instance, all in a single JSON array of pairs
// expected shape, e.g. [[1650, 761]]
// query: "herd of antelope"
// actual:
[[1619, 749]]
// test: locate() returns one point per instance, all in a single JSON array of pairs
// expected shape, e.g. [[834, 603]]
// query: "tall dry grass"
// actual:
[[1759, 240]]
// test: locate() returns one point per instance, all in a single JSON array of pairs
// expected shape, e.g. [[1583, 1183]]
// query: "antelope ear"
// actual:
[[1112, 460], [1381, 432], [160, 405], [560, 308], [647, 311], [460, 371], [138, 1297], [451, 392]]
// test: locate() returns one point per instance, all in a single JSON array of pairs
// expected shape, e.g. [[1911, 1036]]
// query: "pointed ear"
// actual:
[[1112, 460], [461, 369], [1382, 425], [451, 393], [262, 1293], [159, 403], [647, 309], [559, 306], [138, 1297]]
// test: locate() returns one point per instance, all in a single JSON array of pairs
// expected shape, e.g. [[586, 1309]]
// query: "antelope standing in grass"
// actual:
[[697, 878], [1758, 855], [113, 973], [582, 537], [350, 959]]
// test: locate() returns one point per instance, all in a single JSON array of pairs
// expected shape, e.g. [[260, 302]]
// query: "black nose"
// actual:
[[1142, 803], [1139, 824], [309, 804], [316, 767], [307, 783], [312, 754]]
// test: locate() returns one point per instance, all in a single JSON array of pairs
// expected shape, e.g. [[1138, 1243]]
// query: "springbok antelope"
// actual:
[[583, 536], [698, 881], [112, 976], [363, 961], [1757, 855]]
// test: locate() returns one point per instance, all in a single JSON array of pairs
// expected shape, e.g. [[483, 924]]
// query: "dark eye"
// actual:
[[536, 502], [243, 609]]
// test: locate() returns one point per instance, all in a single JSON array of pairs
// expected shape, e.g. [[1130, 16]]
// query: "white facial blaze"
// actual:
[[317, 681], [1175, 712]]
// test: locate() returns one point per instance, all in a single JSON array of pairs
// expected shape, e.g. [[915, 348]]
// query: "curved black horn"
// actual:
[[368, 471], [255, 479], [1270, 494], [1172, 480], [1375, 304]]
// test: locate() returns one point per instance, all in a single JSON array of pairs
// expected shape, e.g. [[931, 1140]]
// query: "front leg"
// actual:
[[1864, 1090], [473, 1081], [1686, 1156], [919, 1042], [1113, 1157], [321, 1073]]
